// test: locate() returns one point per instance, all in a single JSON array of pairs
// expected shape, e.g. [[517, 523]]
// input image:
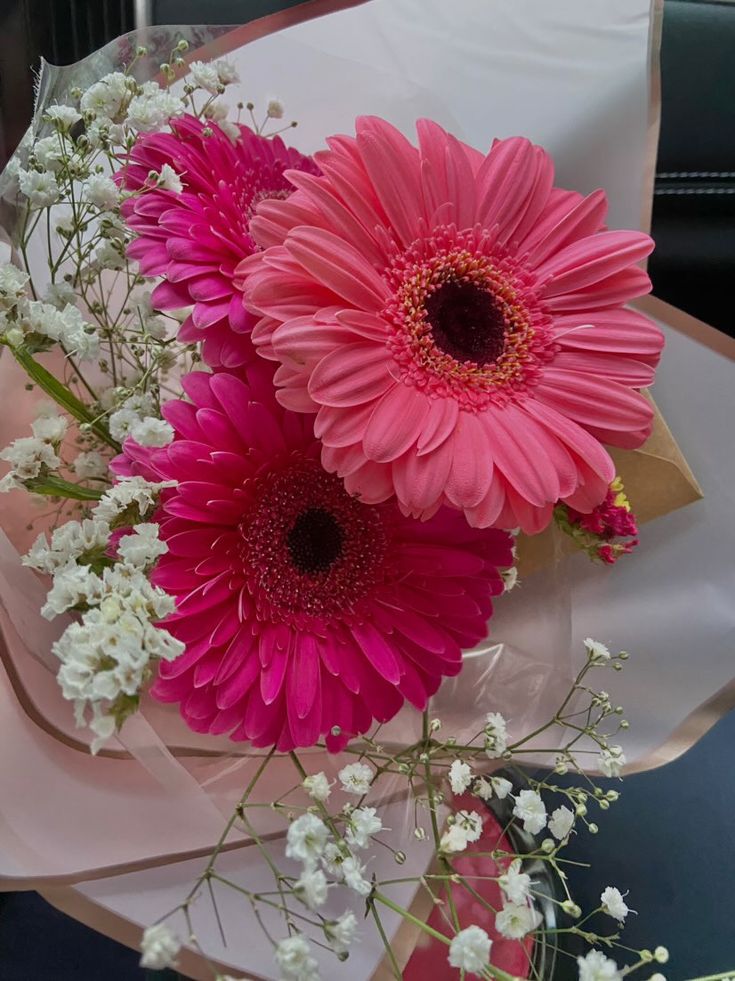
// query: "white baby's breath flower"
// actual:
[[295, 961], [353, 873], [121, 423], [515, 884], [363, 823], [332, 859], [595, 966], [72, 586], [48, 153], [275, 108], [9, 483], [77, 336], [103, 727], [107, 98], [613, 903], [50, 428], [597, 651], [230, 129], [317, 786], [169, 180], [561, 822], [496, 735], [28, 456], [465, 827], [531, 810], [514, 921], [128, 491], [90, 464], [152, 110], [501, 786], [311, 887], [356, 778], [453, 840], [142, 548], [469, 950], [460, 776], [41, 189], [64, 117], [152, 432], [612, 760], [60, 295], [206, 76], [226, 72], [306, 838], [341, 933], [13, 282], [482, 788], [159, 947], [101, 191], [510, 578], [109, 256]]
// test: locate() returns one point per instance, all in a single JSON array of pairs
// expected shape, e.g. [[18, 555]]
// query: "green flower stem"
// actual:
[[61, 394], [58, 487]]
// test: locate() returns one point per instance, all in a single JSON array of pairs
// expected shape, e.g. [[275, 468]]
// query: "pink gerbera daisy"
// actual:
[[305, 612], [456, 323], [195, 239]]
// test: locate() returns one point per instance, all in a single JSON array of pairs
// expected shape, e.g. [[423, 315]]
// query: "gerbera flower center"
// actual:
[[308, 548], [315, 541], [466, 323]]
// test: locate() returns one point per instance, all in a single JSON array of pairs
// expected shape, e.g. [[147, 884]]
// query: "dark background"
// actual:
[[669, 838]]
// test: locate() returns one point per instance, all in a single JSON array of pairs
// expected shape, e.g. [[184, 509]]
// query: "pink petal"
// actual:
[[520, 456], [439, 424], [563, 224], [371, 482], [304, 675], [393, 166], [472, 463], [420, 480], [593, 401], [395, 424], [591, 260], [378, 651], [339, 267], [351, 375]]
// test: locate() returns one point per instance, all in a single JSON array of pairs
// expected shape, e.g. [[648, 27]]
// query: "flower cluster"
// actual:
[[107, 653], [601, 533], [331, 825]]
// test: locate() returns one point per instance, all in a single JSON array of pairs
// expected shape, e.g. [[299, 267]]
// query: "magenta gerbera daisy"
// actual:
[[305, 612], [194, 239], [456, 324]]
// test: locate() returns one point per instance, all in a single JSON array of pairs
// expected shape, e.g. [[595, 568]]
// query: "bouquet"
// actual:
[[291, 414]]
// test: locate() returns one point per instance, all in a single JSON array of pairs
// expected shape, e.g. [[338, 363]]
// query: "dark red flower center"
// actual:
[[315, 541], [466, 322], [308, 548]]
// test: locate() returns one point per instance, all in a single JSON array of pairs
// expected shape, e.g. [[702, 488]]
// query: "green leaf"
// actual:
[[61, 394]]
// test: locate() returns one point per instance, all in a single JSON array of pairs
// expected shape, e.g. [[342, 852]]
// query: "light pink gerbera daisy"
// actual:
[[305, 612], [456, 323], [195, 239]]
